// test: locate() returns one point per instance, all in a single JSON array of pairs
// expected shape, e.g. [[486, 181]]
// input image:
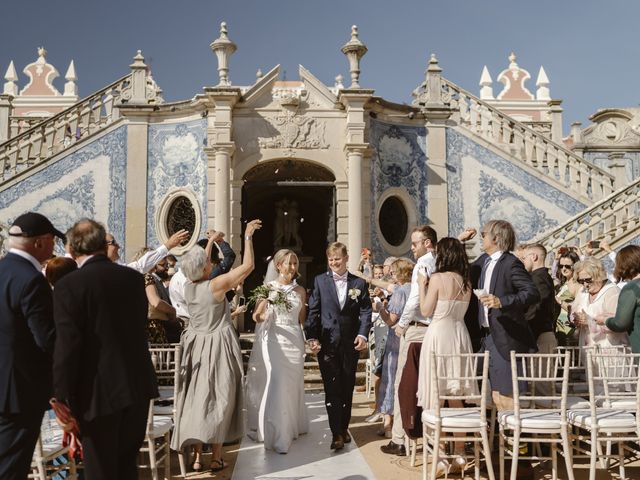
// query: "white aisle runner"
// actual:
[[309, 456]]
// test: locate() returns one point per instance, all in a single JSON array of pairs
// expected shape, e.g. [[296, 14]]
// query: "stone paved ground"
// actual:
[[386, 467]]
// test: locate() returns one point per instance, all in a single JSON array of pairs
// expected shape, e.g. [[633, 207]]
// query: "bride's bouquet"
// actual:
[[272, 295]]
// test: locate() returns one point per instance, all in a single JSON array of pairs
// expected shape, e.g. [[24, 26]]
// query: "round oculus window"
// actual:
[[181, 215], [393, 221]]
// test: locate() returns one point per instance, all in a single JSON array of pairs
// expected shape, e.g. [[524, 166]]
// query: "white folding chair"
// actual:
[[531, 423], [446, 424], [156, 444], [49, 456], [614, 396]]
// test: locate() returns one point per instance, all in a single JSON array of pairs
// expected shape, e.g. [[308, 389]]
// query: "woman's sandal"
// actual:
[[217, 465]]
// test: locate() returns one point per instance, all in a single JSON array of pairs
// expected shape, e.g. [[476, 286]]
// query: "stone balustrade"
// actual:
[[528, 146], [614, 218], [45, 139]]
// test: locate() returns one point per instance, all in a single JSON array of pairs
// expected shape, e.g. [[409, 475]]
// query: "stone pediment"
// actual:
[[612, 128]]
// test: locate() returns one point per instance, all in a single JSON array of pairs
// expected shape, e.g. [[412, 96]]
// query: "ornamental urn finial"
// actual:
[[354, 50], [223, 48]]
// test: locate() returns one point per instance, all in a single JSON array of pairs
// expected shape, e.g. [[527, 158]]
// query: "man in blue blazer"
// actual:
[[508, 291], [337, 329], [27, 338]]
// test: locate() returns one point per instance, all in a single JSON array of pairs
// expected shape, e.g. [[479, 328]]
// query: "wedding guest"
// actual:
[[209, 400], [58, 267], [377, 342], [446, 302], [400, 272], [146, 262], [566, 290], [164, 327], [410, 327], [627, 317], [597, 298], [28, 333], [102, 369]]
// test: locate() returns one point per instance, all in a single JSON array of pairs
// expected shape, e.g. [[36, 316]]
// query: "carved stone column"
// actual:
[[618, 167], [555, 112], [5, 115], [138, 79], [220, 152], [355, 150], [436, 113]]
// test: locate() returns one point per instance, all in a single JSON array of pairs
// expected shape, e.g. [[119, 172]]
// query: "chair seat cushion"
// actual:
[[604, 419], [161, 425], [572, 402], [531, 419], [455, 418], [163, 410], [166, 391]]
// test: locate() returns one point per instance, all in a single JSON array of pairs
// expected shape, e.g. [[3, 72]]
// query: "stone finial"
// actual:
[[42, 52], [259, 74], [434, 66], [70, 88], [576, 132], [11, 77], [542, 93], [138, 61], [486, 85], [223, 48], [339, 85], [354, 50], [512, 60]]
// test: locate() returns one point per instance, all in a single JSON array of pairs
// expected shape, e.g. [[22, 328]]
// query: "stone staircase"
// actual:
[[312, 377], [42, 142], [520, 143], [615, 219]]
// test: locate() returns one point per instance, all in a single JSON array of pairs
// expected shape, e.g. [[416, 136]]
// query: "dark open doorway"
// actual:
[[296, 202]]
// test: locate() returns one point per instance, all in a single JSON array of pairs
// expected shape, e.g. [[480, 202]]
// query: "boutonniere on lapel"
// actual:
[[354, 293]]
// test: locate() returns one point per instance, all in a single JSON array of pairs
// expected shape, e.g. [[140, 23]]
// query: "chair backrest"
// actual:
[[548, 370], [470, 367], [166, 362], [613, 377], [577, 368]]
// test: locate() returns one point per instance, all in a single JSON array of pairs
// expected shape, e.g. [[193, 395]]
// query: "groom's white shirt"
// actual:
[[340, 281]]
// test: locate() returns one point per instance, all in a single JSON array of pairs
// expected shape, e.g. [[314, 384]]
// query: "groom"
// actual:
[[338, 328]]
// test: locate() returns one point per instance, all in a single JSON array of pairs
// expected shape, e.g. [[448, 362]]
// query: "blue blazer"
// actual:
[[27, 336], [329, 323], [513, 285]]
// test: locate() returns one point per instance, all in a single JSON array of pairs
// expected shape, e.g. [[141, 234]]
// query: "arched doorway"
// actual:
[[295, 200]]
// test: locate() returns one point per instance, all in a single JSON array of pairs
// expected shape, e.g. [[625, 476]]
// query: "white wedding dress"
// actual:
[[276, 412]]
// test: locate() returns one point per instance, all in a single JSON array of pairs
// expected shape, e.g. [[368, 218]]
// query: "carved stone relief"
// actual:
[[612, 132], [294, 131]]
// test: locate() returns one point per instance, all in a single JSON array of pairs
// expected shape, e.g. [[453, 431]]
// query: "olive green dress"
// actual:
[[627, 317]]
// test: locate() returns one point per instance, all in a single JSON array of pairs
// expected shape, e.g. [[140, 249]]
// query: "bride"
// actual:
[[276, 412]]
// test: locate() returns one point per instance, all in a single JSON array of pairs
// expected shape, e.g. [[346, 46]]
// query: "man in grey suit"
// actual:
[[26, 341]]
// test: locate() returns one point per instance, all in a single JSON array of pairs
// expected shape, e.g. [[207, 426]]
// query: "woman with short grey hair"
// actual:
[[209, 399], [597, 297]]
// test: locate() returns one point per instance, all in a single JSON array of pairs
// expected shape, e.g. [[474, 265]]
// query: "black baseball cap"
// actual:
[[33, 224]]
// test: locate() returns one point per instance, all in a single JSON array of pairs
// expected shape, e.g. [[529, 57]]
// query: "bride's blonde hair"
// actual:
[[284, 254]]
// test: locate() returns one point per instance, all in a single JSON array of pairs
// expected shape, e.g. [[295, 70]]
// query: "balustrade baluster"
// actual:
[[473, 116]]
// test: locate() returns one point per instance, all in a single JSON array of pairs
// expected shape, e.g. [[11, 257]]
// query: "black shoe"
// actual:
[[394, 449], [346, 436], [337, 443]]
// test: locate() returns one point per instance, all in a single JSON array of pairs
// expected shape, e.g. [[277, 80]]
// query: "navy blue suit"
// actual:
[[512, 284], [336, 329], [27, 336]]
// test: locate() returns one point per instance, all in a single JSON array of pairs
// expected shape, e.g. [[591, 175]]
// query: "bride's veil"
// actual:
[[272, 272]]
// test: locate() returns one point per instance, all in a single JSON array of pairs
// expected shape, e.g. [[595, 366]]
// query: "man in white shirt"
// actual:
[[149, 260], [411, 326]]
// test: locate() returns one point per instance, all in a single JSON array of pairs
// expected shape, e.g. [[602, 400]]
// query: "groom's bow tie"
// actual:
[[340, 278]]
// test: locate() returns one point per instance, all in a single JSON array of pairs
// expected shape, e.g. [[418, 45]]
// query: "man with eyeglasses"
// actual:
[[26, 341], [149, 260]]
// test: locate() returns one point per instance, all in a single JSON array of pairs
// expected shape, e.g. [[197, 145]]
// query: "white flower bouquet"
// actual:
[[272, 295]]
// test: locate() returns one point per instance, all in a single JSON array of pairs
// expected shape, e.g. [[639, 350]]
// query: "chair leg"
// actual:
[[605, 459], [621, 459], [515, 452], [492, 427], [182, 463], [554, 460], [476, 456], [487, 455], [425, 454], [153, 465], [167, 458], [501, 434], [436, 452], [568, 453], [414, 450], [592, 456]]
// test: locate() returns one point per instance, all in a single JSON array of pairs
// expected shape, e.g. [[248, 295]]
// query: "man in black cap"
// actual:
[[26, 341]]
